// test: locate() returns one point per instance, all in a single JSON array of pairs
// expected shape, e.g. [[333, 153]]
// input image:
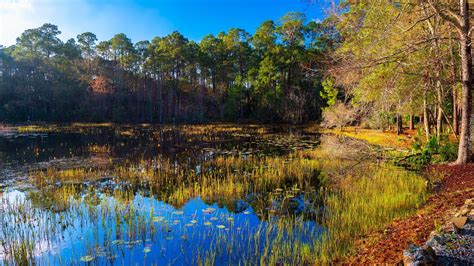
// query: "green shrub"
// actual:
[[432, 151]]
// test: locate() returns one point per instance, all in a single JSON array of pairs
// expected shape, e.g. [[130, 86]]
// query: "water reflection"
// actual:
[[127, 228], [169, 195], [185, 195], [74, 146]]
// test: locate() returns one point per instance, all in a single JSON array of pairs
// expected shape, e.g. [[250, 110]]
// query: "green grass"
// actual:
[[367, 203], [374, 137]]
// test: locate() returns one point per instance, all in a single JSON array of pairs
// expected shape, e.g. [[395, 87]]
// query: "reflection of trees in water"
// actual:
[[289, 194], [292, 187], [231, 181], [243, 182], [132, 142]]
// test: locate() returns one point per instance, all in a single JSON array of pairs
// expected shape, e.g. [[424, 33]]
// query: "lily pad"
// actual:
[[102, 254], [208, 210], [87, 258], [158, 219], [117, 242]]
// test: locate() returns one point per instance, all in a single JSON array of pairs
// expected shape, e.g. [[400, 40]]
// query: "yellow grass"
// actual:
[[375, 137]]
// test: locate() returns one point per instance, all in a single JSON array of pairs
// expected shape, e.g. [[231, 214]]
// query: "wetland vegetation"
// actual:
[[214, 194]]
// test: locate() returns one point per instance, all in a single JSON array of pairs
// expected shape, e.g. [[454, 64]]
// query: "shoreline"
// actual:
[[387, 246], [453, 186]]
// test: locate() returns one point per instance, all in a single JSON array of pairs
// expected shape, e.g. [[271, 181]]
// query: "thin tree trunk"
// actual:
[[454, 89], [455, 111], [439, 112], [425, 118], [464, 151]]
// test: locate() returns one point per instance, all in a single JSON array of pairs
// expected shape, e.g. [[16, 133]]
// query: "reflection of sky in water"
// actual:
[[180, 236], [222, 232], [12, 199]]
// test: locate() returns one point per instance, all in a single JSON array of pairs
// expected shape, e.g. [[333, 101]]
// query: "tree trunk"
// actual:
[[455, 111], [412, 122], [425, 118], [399, 124], [454, 90], [464, 152], [439, 112]]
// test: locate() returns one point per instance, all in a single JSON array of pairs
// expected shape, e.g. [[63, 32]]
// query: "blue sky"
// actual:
[[145, 19]]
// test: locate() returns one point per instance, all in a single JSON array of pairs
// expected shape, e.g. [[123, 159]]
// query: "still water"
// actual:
[[192, 195], [178, 195]]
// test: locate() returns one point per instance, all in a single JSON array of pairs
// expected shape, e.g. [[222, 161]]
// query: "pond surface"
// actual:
[[48, 145], [184, 195]]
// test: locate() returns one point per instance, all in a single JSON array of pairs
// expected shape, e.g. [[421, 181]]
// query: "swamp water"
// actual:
[[190, 195]]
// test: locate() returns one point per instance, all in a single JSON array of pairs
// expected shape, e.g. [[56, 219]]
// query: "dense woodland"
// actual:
[[234, 76]]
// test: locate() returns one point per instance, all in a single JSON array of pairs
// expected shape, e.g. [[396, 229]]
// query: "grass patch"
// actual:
[[374, 137]]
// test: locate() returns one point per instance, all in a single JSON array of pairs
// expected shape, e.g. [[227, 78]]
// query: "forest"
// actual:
[[344, 138], [234, 76]]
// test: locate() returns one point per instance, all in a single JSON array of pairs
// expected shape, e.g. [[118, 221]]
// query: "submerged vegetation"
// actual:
[[306, 202]]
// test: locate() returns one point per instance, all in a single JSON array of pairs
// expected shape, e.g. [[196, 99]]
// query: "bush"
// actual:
[[377, 120], [433, 151], [338, 115]]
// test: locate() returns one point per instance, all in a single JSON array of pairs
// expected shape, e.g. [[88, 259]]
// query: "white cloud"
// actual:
[[15, 16], [18, 15], [77, 16]]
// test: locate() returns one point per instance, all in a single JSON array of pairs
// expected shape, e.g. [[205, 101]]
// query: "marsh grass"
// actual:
[[367, 203], [312, 206], [374, 137]]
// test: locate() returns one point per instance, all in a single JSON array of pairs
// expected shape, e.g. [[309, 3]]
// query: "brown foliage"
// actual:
[[101, 85]]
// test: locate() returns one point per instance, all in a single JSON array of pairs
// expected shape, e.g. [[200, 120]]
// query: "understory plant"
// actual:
[[430, 152]]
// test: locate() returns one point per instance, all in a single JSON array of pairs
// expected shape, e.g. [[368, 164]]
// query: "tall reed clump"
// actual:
[[365, 203]]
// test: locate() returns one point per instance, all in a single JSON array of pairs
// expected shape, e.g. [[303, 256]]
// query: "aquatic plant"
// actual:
[[306, 206]]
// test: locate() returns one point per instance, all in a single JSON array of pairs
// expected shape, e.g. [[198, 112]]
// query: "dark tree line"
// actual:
[[272, 76]]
